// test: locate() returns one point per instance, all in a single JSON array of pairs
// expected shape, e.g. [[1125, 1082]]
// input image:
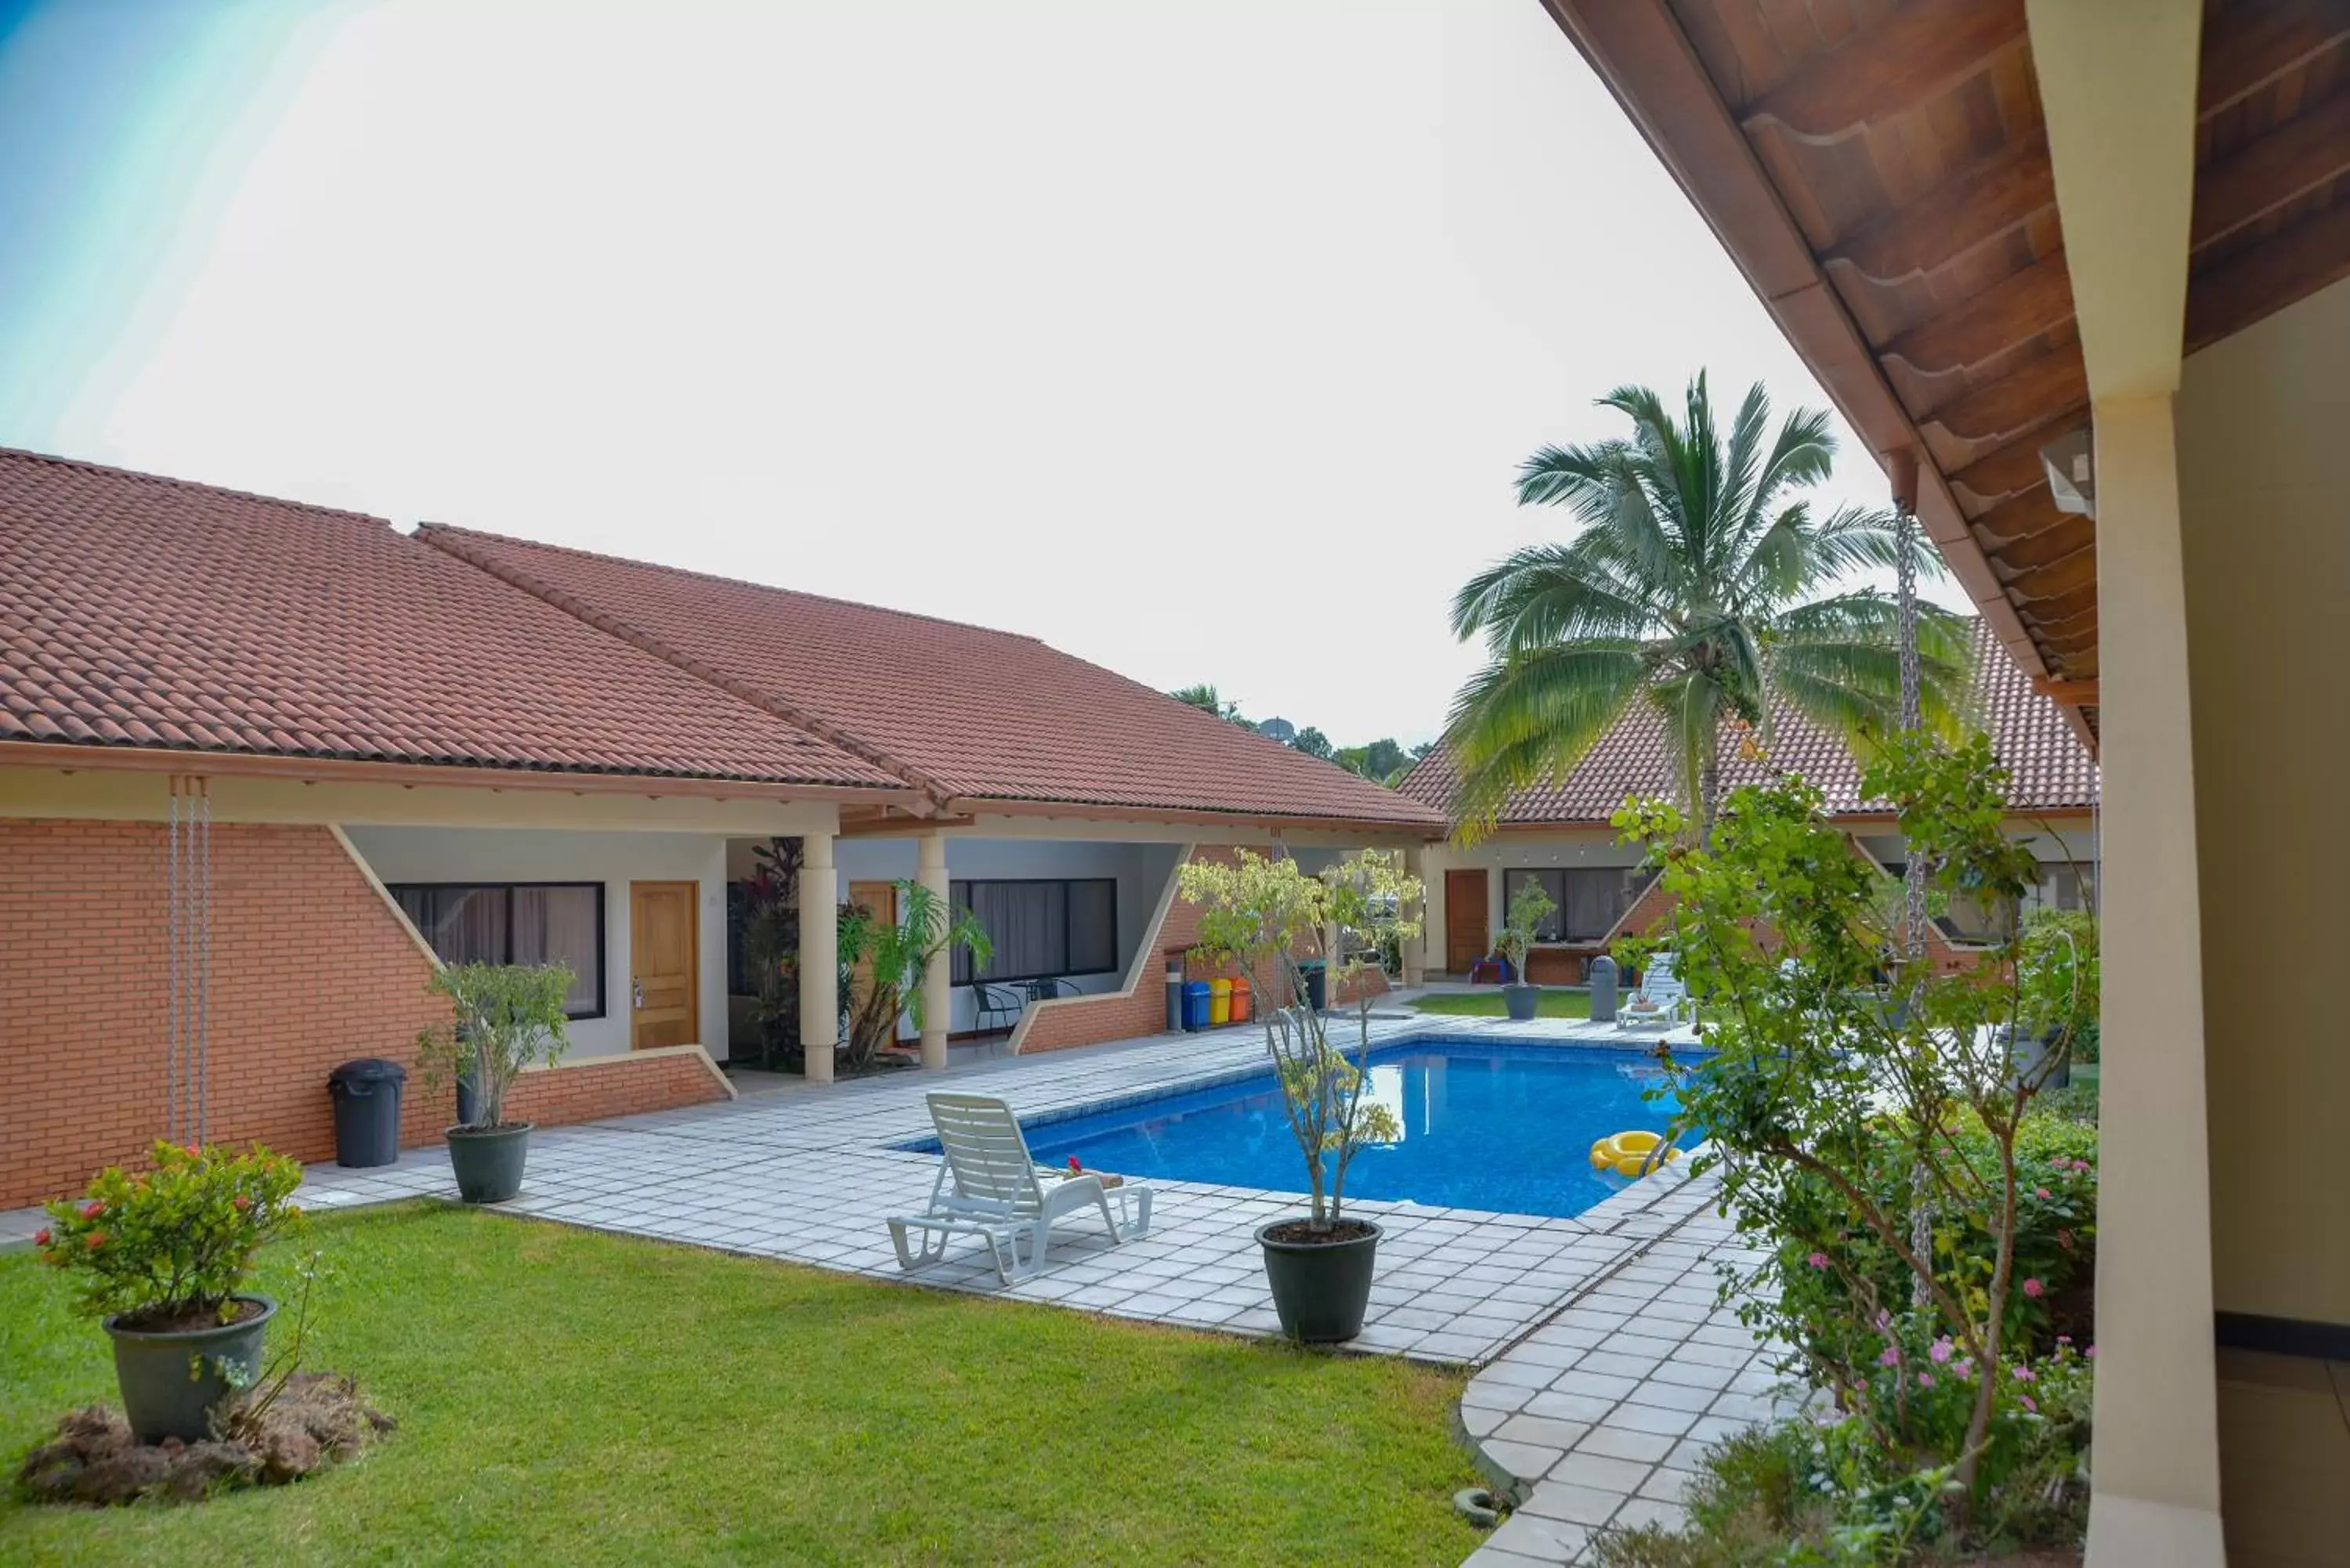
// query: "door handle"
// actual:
[[637, 994]]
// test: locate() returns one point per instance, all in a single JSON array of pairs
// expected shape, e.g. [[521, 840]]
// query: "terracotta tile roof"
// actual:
[[2054, 772], [141, 611], [968, 712]]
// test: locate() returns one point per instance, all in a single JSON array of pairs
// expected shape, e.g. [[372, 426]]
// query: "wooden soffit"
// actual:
[[1880, 174]]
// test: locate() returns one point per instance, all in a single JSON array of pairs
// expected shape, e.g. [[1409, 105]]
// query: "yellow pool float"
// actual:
[[1633, 1153]]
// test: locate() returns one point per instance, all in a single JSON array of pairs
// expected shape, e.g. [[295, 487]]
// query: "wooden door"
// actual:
[[664, 967], [880, 901], [1467, 928]]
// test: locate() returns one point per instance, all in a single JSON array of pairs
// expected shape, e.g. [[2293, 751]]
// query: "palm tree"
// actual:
[[1205, 698], [1700, 583]]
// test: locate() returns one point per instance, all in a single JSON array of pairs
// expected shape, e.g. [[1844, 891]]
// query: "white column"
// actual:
[[819, 956], [2157, 1495], [938, 999], [1415, 952]]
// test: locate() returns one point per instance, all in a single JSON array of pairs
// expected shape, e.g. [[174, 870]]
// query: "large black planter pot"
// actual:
[[489, 1160], [1321, 1289], [1523, 1001], [171, 1380]]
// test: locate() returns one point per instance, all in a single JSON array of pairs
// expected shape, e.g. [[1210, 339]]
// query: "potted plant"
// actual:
[[161, 1259], [506, 1016], [1529, 907], [888, 959], [1271, 915]]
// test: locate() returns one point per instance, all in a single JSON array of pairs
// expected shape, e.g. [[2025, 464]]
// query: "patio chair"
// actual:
[[988, 1186], [1662, 997], [999, 1007]]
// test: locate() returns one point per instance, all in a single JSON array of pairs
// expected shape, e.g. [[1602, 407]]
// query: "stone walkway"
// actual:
[[1602, 1365]]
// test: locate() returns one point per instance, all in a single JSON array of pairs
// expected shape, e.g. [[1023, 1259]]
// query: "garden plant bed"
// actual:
[[577, 1396], [316, 1420]]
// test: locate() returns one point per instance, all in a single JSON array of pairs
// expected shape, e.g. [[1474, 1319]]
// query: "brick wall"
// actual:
[[309, 968], [589, 1088]]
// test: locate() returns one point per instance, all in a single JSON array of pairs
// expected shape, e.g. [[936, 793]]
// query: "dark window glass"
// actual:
[[1040, 928], [516, 922], [1590, 898]]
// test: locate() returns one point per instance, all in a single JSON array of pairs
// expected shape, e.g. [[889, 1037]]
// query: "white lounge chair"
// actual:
[[1660, 997], [989, 1187]]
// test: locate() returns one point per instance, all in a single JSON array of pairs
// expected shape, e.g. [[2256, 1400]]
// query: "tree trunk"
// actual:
[[1708, 791]]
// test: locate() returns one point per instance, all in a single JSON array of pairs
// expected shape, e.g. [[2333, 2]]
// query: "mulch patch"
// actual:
[[317, 1420]]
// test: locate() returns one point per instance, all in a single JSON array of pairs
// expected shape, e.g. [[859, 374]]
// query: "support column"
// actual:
[[938, 998], [819, 956], [2157, 1495], [1415, 952]]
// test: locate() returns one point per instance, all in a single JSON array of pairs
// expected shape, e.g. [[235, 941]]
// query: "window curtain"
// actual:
[[558, 925], [1093, 926]]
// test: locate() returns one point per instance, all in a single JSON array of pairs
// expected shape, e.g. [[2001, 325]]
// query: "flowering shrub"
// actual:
[[1867, 1114], [169, 1248]]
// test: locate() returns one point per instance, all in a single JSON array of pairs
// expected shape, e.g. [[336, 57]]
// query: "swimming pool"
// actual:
[[1486, 1125]]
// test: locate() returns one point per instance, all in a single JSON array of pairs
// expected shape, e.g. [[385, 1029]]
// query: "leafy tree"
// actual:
[[1313, 742], [1267, 913], [1700, 583], [504, 1017], [897, 954]]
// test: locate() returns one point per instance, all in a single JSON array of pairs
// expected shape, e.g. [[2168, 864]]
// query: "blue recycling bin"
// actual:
[[1195, 1005]]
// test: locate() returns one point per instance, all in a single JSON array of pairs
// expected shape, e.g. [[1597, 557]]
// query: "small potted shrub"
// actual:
[[1269, 913], [161, 1258], [507, 1017], [1529, 907]]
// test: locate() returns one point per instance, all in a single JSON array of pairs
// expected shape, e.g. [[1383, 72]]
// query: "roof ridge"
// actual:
[[87, 466], [606, 556], [455, 543]]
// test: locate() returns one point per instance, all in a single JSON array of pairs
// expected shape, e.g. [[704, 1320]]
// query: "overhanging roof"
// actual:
[[1881, 176]]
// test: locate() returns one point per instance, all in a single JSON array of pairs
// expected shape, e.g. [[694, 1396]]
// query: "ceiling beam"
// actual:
[[2311, 150], [1939, 226], [2289, 266], [2118, 85], [2068, 693], [2245, 48], [2021, 399], [1921, 49], [2016, 467], [2017, 308]]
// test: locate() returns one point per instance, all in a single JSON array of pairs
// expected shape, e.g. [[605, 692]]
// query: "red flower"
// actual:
[[96, 1238], [92, 1210], [242, 1203], [41, 1237], [2032, 1288], [1074, 1165]]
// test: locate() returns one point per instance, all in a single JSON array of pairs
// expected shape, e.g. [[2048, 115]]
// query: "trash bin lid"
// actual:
[[368, 1071], [1195, 988]]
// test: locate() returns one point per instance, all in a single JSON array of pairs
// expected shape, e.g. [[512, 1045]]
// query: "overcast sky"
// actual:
[[1200, 340]]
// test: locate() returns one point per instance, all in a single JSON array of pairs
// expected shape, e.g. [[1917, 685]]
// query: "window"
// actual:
[[1041, 927], [2065, 886], [1590, 898], [516, 922]]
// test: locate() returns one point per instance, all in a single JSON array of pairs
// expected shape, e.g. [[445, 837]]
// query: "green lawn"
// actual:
[[575, 1399], [1487, 1003]]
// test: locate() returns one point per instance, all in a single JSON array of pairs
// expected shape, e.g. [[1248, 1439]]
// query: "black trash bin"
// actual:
[[1317, 983], [367, 1110]]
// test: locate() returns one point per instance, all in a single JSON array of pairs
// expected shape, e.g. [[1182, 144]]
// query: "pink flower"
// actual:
[[1891, 1357], [2041, 1193], [2061, 1163], [1074, 1166], [1925, 1380], [1941, 1350], [242, 1203], [1966, 1369], [2029, 1405], [2091, 1353], [92, 1210], [1818, 1260], [2035, 1289], [2063, 1339], [1884, 1319], [2021, 1374], [2080, 1166], [41, 1237]]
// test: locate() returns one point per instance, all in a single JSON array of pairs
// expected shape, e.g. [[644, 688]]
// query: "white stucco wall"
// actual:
[[1568, 848], [614, 859], [1140, 871]]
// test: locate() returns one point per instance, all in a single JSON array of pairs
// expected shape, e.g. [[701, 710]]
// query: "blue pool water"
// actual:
[[1486, 1125]]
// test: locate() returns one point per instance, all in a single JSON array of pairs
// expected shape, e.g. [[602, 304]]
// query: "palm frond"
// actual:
[[1535, 713]]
